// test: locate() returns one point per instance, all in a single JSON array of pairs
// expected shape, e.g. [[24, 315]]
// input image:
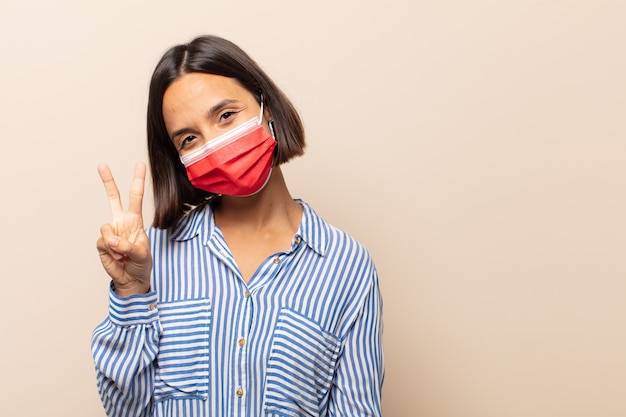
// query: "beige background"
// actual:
[[477, 148]]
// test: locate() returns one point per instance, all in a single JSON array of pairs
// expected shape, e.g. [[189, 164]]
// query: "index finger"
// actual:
[[136, 189], [111, 189]]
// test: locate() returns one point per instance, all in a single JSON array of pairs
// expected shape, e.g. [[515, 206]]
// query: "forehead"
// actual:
[[208, 88]]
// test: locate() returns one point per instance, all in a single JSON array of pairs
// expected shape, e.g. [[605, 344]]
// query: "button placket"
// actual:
[[241, 341]]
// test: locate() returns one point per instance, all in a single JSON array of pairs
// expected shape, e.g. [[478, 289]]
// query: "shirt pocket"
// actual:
[[302, 362], [183, 358]]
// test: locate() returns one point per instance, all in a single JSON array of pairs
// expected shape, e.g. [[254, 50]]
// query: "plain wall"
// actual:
[[477, 148]]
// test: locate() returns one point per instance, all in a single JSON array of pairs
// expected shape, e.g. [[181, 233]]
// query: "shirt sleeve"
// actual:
[[357, 388], [124, 348]]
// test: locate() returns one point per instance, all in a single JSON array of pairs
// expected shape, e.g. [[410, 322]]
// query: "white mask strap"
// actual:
[[261, 114]]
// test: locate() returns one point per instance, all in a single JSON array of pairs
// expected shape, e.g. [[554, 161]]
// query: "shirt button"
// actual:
[[276, 260], [297, 240], [239, 392], [242, 342], [152, 307], [246, 294]]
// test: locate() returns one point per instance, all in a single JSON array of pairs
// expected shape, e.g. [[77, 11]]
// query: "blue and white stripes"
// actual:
[[302, 338]]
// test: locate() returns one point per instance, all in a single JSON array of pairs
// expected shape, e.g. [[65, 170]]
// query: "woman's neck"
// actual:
[[272, 207]]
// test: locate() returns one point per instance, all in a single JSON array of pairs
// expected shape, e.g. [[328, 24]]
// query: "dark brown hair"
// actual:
[[173, 192]]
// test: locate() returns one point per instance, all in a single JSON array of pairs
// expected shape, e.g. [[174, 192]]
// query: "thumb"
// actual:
[[113, 242], [120, 248]]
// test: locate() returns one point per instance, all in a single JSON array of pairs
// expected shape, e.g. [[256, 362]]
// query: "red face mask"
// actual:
[[237, 163]]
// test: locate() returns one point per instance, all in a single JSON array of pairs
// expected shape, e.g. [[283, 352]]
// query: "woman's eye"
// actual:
[[186, 141], [226, 115]]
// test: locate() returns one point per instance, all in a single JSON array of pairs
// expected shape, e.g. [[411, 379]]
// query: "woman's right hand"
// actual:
[[123, 245]]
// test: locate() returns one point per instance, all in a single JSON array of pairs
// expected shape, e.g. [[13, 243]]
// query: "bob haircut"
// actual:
[[174, 195]]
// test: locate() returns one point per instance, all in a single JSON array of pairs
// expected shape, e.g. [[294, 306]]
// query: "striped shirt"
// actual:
[[303, 337]]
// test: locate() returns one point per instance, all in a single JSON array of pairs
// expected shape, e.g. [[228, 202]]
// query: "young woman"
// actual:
[[238, 300]]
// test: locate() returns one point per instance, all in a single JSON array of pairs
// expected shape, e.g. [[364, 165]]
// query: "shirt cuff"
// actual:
[[133, 310]]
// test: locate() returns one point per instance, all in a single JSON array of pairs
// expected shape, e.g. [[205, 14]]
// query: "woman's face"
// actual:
[[199, 107]]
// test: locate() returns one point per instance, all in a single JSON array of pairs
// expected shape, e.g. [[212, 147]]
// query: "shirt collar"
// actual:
[[313, 230], [193, 223]]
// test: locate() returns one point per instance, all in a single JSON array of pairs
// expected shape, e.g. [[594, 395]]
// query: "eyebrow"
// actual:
[[215, 109]]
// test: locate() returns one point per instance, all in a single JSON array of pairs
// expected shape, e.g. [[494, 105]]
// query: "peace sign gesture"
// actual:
[[123, 245]]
